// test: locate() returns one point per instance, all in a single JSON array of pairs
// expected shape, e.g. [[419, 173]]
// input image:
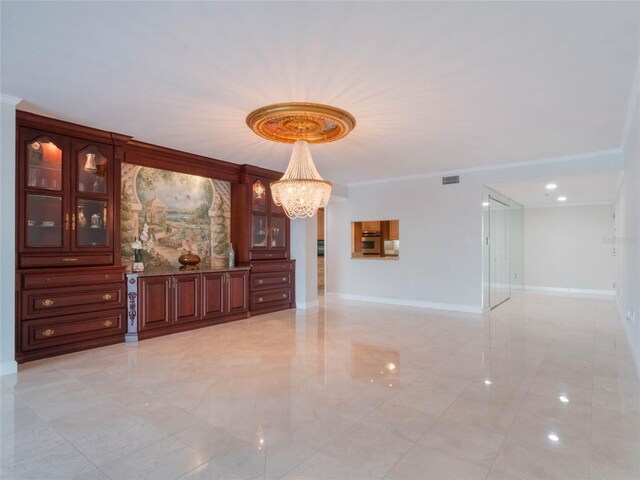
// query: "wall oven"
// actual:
[[370, 242]]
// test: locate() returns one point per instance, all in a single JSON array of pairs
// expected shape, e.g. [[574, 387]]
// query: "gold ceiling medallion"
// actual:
[[313, 122], [301, 190]]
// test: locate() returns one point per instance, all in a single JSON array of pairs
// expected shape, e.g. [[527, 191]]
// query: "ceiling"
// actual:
[[591, 188], [433, 86]]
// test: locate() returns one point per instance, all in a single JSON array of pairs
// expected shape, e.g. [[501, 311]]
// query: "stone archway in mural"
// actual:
[[184, 212]]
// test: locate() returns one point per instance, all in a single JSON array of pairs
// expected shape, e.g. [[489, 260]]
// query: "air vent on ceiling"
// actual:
[[451, 179]]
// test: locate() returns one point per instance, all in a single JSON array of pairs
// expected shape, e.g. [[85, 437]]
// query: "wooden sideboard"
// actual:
[[164, 302]]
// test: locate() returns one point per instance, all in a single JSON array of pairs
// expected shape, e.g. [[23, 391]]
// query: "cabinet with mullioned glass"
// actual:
[[65, 200]]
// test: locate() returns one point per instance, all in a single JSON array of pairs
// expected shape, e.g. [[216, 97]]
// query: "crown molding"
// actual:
[[499, 166], [9, 99], [574, 204]]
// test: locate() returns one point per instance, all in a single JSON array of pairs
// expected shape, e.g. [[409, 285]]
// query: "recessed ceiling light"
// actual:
[[485, 204], [551, 186], [562, 199], [553, 437]]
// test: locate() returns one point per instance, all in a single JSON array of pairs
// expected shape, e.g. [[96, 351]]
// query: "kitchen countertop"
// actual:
[[175, 271], [375, 257]]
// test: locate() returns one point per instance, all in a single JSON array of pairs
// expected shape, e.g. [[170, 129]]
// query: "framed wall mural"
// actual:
[[185, 213]]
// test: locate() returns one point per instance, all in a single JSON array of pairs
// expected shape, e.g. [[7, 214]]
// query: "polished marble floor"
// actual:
[[542, 388]]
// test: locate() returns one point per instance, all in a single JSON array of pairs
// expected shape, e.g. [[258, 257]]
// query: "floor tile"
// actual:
[[422, 463]]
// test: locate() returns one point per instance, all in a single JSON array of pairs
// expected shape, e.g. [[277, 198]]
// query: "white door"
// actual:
[[499, 282]]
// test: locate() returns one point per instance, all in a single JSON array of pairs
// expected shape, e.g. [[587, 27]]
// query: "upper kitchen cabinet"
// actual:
[[260, 230], [65, 214]]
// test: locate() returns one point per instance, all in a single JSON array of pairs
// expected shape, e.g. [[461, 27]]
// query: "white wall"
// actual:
[[304, 249], [627, 261], [569, 248], [440, 262], [7, 238]]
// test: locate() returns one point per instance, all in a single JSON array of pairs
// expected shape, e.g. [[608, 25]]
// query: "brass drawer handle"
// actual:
[[73, 221], [261, 300], [284, 279], [47, 303], [107, 277], [260, 282], [66, 221], [69, 259], [107, 323], [284, 295], [106, 296], [48, 332]]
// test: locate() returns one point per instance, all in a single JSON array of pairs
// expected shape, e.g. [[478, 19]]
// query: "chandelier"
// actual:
[[301, 190]]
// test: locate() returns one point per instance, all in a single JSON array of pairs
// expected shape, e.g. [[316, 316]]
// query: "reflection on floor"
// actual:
[[543, 387]]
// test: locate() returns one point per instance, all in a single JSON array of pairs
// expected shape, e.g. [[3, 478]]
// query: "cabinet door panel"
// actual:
[[187, 290], [213, 297], [238, 292], [155, 302]]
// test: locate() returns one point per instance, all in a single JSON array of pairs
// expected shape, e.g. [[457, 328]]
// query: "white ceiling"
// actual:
[[433, 86], [591, 188]]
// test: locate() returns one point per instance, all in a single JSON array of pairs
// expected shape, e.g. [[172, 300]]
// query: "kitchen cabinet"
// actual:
[[394, 229], [371, 226], [168, 303]]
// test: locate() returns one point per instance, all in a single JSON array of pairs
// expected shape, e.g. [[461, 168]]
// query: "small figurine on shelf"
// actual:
[[140, 244], [82, 220]]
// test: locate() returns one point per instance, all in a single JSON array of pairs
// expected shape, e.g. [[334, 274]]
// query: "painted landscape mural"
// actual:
[[185, 213]]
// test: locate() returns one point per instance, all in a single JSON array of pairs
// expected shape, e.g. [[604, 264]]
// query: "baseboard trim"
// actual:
[[581, 291], [406, 303], [634, 355], [307, 305], [7, 368]]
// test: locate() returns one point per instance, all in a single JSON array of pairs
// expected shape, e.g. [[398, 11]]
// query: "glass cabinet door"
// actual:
[[278, 232], [259, 195], [259, 231], [91, 223], [44, 164], [92, 170], [45, 221]]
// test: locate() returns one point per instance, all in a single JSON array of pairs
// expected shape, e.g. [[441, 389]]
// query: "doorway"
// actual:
[[321, 275]]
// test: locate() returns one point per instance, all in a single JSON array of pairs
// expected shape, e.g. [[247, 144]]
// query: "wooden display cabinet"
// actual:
[[260, 233], [66, 190]]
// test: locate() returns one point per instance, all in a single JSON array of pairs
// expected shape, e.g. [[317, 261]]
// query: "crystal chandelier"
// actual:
[[301, 190]]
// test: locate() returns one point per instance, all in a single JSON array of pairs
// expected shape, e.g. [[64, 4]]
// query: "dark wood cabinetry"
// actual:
[[171, 303], [67, 181], [261, 228], [260, 233], [69, 309], [66, 190]]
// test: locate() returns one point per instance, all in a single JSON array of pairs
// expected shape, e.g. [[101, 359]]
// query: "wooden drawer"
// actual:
[[267, 255], [265, 281], [49, 332], [270, 298], [60, 301], [258, 267], [72, 279], [75, 260]]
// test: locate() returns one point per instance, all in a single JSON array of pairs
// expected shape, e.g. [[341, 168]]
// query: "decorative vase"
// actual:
[[231, 257], [188, 261]]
